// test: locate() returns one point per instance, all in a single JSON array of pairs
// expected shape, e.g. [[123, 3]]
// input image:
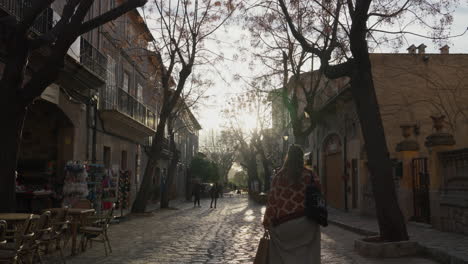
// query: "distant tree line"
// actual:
[[204, 169]]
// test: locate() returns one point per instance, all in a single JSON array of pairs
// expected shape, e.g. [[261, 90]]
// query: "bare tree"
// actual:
[[349, 27], [219, 150], [182, 27], [287, 64], [252, 142]]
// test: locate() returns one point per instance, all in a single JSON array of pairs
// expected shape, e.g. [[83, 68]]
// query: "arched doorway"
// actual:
[[333, 170], [47, 144]]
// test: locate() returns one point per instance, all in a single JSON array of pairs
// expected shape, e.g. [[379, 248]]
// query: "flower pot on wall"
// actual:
[[438, 122]]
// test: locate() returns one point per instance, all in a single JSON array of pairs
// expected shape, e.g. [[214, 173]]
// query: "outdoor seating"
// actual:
[[83, 204], [11, 254], [96, 230], [60, 224], [31, 246], [3, 229]]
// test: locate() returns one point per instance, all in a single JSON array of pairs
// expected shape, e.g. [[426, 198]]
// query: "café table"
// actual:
[[78, 216], [16, 217], [15, 220]]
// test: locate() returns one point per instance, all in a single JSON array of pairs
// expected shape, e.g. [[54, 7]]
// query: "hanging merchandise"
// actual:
[[124, 189], [96, 175], [109, 188], [75, 184]]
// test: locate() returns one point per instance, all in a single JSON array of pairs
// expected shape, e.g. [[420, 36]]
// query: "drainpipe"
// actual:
[[93, 105], [345, 149]]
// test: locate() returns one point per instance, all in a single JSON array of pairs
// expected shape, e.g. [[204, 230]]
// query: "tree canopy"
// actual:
[[204, 169]]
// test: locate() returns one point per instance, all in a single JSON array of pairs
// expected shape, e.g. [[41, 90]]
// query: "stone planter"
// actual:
[[373, 247], [260, 198]]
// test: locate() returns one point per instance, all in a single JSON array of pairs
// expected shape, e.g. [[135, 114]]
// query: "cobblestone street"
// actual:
[[228, 234]]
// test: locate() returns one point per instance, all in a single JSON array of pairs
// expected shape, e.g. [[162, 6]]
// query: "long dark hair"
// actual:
[[294, 164]]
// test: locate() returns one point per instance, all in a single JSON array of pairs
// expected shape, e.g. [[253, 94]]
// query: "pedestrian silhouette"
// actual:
[[214, 193], [196, 192]]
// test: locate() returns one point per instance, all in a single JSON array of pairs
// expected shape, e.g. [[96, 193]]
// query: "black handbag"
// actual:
[[315, 205]]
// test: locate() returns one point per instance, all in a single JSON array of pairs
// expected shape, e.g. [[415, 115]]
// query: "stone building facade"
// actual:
[[104, 106], [422, 103]]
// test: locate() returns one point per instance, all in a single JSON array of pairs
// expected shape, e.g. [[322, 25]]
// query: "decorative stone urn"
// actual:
[[373, 247], [438, 122], [407, 144], [406, 130], [439, 138]]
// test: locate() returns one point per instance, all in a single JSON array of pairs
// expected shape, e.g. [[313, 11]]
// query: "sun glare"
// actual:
[[248, 122]]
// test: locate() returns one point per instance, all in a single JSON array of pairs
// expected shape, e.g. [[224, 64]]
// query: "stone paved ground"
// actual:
[[444, 246], [228, 234]]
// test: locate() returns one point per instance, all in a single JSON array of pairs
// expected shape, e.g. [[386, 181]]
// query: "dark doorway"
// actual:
[[354, 178], [106, 156], [422, 211], [123, 160]]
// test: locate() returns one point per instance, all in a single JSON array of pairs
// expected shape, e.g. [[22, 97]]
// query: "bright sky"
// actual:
[[228, 41], [209, 114]]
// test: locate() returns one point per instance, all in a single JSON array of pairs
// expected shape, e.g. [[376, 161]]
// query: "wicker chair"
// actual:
[[41, 228], [60, 225], [3, 230], [97, 230], [25, 236]]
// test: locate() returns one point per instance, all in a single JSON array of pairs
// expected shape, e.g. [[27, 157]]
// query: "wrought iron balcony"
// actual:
[[115, 98], [17, 7], [93, 59]]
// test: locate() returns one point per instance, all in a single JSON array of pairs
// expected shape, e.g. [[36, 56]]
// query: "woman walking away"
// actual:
[[293, 237], [214, 195]]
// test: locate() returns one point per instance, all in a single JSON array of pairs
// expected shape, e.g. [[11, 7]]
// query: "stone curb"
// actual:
[[353, 229], [441, 256], [430, 252]]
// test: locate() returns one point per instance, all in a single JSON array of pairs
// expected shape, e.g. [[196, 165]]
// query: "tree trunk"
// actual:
[[391, 221], [267, 175], [12, 119], [299, 136], [170, 174], [146, 186], [252, 171], [144, 193]]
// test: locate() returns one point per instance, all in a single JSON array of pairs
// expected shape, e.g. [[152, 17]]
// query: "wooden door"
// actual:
[[334, 181], [354, 177]]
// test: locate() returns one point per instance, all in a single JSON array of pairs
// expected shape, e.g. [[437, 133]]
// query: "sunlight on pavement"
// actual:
[[249, 217], [229, 234]]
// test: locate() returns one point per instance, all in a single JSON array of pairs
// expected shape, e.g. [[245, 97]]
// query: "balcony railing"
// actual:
[[17, 7], [115, 98], [93, 59]]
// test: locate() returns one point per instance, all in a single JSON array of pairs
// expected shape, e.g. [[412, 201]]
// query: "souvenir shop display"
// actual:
[[109, 188], [96, 175], [75, 185], [124, 190]]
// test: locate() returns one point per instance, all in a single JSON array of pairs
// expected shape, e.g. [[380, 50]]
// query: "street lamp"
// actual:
[[285, 143]]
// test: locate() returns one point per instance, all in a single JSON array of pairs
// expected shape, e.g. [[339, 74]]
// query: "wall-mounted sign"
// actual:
[[333, 144], [51, 93]]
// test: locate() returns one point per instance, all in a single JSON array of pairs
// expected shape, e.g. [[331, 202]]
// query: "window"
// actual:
[[126, 82], [123, 160], [106, 156], [137, 168], [111, 4], [110, 93]]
